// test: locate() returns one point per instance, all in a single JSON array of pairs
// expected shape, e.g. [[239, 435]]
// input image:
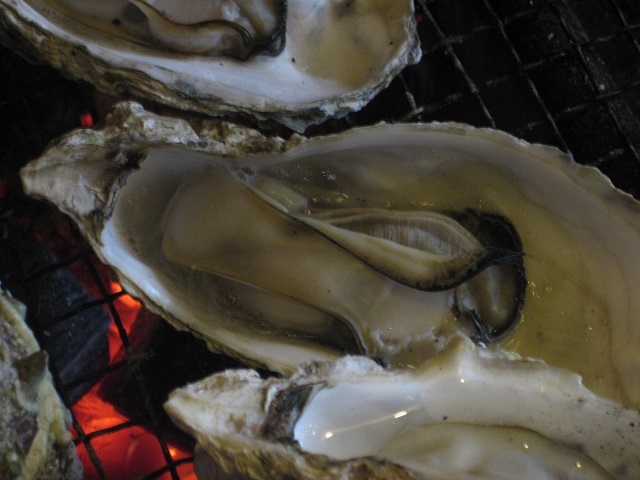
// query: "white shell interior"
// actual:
[[336, 52], [580, 237], [468, 413], [369, 415], [580, 311], [132, 242]]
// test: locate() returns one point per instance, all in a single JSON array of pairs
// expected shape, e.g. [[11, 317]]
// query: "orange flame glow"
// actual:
[[125, 450], [86, 119]]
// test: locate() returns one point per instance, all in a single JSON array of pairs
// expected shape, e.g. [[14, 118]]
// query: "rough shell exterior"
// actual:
[[36, 31], [237, 450], [35, 442]]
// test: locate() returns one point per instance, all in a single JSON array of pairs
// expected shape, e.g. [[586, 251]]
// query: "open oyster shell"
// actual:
[[300, 62], [577, 232], [467, 414], [35, 442]]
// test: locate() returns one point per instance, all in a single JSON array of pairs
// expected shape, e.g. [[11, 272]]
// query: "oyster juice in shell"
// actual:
[[139, 189], [295, 62], [468, 413]]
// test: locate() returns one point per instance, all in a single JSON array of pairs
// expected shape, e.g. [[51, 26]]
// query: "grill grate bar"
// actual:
[[473, 89], [147, 401], [82, 438], [60, 264], [53, 368], [522, 69], [597, 75], [166, 469]]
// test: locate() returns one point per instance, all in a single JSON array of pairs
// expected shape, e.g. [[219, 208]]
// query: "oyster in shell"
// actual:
[[295, 62], [234, 28], [467, 413], [35, 442], [139, 190]]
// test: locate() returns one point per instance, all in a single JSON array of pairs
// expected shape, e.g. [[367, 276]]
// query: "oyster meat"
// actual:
[[199, 221], [495, 278], [35, 442], [468, 413], [235, 28], [295, 62]]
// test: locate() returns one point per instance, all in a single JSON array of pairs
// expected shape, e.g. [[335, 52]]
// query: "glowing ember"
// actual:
[[86, 119], [110, 444], [125, 450], [128, 309]]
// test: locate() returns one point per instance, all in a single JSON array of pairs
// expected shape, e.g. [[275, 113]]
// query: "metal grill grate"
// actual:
[[561, 72]]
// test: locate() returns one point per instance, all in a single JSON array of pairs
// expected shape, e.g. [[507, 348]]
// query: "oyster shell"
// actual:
[[576, 231], [35, 442], [235, 28], [468, 413], [298, 66]]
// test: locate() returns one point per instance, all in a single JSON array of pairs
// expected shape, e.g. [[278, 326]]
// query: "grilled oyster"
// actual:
[[138, 190], [468, 413], [235, 28], [297, 63], [35, 442]]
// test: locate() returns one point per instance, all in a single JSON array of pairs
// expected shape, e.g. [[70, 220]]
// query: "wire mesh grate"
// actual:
[[560, 72]]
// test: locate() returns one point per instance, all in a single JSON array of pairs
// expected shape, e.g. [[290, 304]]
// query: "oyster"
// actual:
[[468, 413], [139, 191], [35, 442], [297, 62], [229, 28]]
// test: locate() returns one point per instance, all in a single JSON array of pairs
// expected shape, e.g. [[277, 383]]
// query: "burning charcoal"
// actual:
[[171, 359], [71, 330]]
